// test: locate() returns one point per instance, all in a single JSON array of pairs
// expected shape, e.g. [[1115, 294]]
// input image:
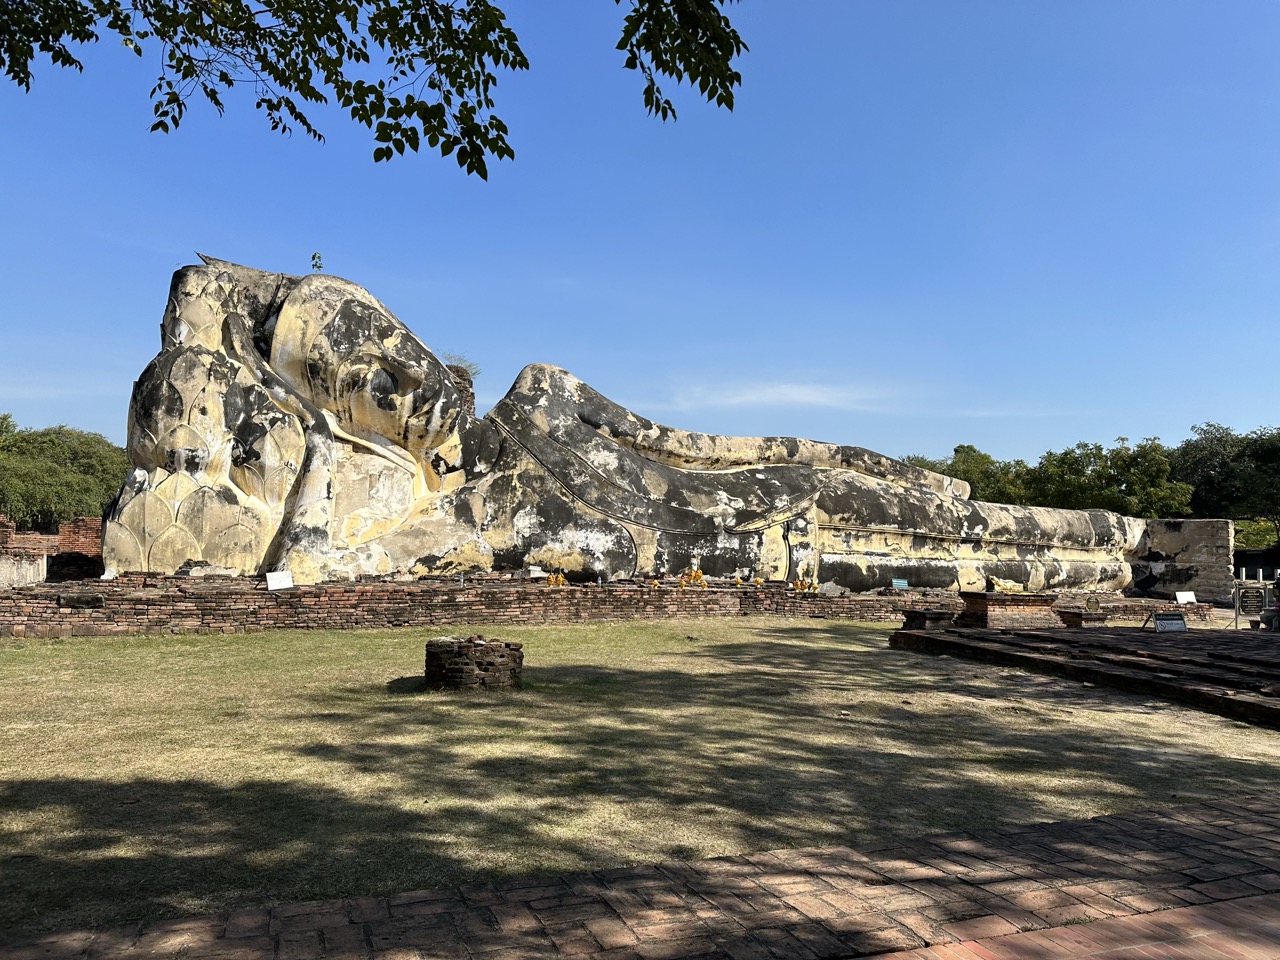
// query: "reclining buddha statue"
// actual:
[[294, 423]]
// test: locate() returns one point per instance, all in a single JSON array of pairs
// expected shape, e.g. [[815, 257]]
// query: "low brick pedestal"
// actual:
[[1083, 618], [466, 662], [928, 619], [1008, 611]]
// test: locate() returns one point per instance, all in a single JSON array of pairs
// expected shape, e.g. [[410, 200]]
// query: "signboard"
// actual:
[[899, 583], [1185, 596], [1250, 600], [282, 580], [1170, 621]]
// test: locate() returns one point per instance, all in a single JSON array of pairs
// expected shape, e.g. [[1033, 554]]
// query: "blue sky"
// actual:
[[928, 222]]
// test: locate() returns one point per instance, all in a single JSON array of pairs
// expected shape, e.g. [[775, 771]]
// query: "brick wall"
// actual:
[[1121, 611], [466, 389], [73, 553], [153, 604], [150, 604], [82, 535]]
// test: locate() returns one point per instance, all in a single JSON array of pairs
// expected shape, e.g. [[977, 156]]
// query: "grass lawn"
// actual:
[[155, 776]]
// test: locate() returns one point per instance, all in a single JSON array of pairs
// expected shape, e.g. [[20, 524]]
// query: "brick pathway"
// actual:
[[1246, 928], [1127, 886]]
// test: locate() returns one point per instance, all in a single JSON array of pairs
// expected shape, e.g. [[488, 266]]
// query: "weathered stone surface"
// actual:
[[19, 570], [295, 423], [1187, 555]]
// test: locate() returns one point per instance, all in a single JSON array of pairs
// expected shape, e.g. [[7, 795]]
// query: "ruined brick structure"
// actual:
[[27, 543], [73, 553], [468, 662]]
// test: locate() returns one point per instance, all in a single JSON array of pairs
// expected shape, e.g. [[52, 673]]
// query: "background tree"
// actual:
[[7, 429], [57, 473], [1133, 480], [1236, 476], [1210, 460], [1260, 478], [989, 479], [438, 59]]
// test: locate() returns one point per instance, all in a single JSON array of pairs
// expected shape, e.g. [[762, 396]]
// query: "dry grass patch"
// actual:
[[153, 776]]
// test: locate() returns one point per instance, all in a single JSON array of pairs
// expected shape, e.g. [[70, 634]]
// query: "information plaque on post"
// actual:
[[1251, 600]]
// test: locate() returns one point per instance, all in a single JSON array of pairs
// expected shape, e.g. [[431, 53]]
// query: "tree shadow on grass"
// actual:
[[902, 671], [149, 848], [737, 755]]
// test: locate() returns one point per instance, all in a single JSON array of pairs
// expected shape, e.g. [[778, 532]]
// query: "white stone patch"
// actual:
[[603, 459], [525, 523], [724, 500], [594, 542]]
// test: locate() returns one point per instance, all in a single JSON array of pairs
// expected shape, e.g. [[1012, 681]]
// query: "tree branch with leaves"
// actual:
[[414, 72]]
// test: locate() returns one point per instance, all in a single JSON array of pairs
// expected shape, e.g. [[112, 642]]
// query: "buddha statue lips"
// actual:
[[330, 441]]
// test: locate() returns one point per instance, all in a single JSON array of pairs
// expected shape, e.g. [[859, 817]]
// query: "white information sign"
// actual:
[[282, 580]]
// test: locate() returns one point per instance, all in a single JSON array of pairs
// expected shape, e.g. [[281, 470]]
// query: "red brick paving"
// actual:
[[1195, 882], [1247, 928]]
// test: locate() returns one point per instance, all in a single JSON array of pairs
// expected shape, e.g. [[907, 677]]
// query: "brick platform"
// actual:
[[1229, 672], [1113, 881]]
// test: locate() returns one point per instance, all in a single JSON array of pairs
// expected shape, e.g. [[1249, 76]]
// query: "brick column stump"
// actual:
[[464, 663]]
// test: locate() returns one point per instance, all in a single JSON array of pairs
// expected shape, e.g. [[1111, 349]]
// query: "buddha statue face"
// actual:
[[351, 356]]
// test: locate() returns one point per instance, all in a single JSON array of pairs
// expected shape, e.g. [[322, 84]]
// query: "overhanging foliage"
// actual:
[[415, 72]]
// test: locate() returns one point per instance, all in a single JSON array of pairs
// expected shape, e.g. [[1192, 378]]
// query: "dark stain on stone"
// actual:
[[185, 460], [383, 387]]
